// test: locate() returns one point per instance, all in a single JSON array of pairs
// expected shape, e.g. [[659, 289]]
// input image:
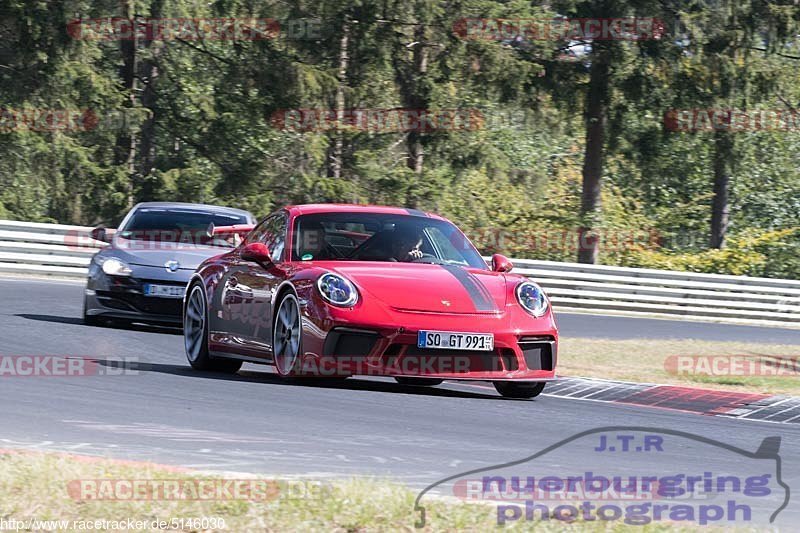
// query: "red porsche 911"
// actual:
[[340, 290]]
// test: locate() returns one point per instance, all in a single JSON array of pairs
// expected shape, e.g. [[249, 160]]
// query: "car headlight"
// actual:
[[532, 298], [337, 290], [113, 266]]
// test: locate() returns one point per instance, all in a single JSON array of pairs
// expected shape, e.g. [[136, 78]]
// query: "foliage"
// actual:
[[763, 254], [196, 122]]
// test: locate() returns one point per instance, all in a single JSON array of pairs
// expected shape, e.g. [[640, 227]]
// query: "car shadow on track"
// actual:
[[113, 324], [270, 378]]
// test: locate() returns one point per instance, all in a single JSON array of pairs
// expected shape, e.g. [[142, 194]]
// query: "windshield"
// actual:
[[180, 226], [381, 237]]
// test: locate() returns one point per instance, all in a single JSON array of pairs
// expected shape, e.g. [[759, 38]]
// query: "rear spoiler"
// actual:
[[240, 229]]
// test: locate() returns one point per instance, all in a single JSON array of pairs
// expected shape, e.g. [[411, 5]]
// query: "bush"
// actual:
[[751, 253]]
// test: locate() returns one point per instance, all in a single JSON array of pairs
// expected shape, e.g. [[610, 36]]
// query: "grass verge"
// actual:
[[651, 361], [36, 486]]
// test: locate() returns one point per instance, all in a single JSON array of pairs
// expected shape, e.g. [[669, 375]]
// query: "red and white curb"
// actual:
[[747, 406]]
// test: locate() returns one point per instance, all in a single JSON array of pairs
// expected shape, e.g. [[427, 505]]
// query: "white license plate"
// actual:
[[451, 340], [164, 291]]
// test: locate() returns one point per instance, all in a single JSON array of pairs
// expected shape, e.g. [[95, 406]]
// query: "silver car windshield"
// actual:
[[179, 225]]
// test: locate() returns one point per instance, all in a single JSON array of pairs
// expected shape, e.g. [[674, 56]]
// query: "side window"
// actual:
[[444, 246], [272, 233]]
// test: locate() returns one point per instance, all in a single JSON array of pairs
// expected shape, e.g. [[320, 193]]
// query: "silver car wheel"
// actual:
[[286, 335], [194, 323]]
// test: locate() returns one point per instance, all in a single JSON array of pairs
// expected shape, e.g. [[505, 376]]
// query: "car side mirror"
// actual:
[[257, 252], [501, 263], [102, 234]]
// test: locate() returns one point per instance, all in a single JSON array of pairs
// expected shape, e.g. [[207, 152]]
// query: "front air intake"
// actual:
[[539, 352], [349, 342]]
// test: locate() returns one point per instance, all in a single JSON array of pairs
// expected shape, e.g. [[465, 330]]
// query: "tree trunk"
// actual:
[[596, 108], [419, 103], [335, 152], [125, 152], [723, 162], [147, 144], [724, 143]]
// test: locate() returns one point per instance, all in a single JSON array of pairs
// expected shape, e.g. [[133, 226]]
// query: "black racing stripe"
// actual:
[[481, 286], [416, 212], [480, 297]]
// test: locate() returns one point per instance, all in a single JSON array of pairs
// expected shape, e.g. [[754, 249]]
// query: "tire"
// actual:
[[287, 337], [519, 390], [92, 320], [419, 382], [195, 335]]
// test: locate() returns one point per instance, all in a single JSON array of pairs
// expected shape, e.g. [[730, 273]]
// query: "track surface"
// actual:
[[255, 423]]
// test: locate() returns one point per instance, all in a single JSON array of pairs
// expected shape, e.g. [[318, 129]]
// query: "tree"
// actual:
[[727, 47]]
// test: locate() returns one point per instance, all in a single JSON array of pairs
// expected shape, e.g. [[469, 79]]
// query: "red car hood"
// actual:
[[428, 288]]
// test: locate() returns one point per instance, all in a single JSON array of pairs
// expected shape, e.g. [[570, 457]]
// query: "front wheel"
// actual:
[[195, 335], [287, 337], [519, 390], [91, 320], [422, 382]]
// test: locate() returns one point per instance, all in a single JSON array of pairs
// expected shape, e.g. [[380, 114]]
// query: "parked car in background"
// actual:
[[142, 274]]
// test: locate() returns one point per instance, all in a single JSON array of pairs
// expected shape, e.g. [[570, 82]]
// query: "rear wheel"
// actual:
[[420, 382], [195, 335], [521, 390]]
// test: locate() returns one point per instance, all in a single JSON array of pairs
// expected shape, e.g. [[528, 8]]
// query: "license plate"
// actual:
[[164, 291], [450, 340]]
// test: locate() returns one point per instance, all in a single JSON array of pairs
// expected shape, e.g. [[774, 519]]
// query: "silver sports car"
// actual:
[[142, 274]]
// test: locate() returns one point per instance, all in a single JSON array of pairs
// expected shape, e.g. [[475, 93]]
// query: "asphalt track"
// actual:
[[162, 411]]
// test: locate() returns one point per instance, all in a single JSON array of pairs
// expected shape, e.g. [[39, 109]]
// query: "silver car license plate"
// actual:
[[164, 291]]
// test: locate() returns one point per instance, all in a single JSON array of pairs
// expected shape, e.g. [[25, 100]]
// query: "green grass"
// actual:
[[34, 486], [643, 360]]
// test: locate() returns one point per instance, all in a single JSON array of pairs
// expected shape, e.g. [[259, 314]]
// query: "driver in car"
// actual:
[[405, 244]]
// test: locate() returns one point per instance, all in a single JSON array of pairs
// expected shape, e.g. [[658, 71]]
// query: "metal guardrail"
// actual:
[[620, 290], [46, 249], [65, 251]]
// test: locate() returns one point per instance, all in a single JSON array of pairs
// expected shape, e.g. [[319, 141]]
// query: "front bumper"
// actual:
[[517, 358], [123, 297], [350, 351], [525, 348]]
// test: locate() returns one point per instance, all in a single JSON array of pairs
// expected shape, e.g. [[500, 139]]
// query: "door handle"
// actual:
[[239, 288]]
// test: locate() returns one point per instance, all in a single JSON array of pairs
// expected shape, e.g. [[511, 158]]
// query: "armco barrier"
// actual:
[[619, 290], [46, 249], [65, 251]]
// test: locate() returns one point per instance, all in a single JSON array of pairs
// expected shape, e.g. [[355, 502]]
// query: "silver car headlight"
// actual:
[[113, 266], [337, 290], [532, 298]]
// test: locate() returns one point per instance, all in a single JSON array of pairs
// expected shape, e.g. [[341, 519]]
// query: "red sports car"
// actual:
[[339, 290]]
